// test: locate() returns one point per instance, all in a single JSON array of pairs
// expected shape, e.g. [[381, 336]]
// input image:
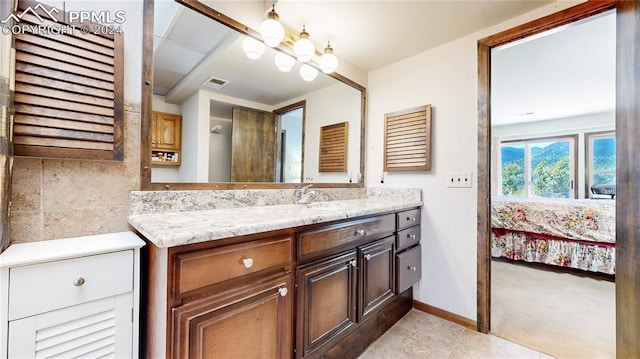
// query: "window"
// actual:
[[542, 167], [601, 159]]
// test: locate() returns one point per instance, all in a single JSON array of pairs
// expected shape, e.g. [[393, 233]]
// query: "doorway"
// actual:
[[627, 111], [290, 157]]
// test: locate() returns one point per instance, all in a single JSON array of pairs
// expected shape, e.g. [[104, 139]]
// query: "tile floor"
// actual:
[[420, 335]]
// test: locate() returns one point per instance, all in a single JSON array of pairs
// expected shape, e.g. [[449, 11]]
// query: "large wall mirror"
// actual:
[[212, 118]]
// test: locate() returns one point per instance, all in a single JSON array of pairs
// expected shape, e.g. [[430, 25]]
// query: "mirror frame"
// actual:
[[147, 99]]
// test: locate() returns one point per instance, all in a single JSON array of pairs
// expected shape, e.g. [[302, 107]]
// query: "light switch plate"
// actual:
[[460, 180]]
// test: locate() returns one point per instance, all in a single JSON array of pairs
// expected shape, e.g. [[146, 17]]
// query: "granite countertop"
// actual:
[[169, 229]]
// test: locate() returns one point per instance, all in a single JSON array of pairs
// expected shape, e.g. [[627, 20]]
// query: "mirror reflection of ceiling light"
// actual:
[[308, 73], [303, 47], [271, 29], [252, 47], [284, 62], [328, 61]]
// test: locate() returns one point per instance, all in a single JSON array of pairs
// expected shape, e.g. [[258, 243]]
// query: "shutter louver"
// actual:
[[407, 140], [68, 91], [333, 147]]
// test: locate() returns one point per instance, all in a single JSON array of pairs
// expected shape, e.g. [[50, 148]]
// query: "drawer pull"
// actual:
[[367, 257], [360, 232], [411, 219], [353, 262], [283, 291], [412, 236], [248, 262], [412, 268], [79, 282]]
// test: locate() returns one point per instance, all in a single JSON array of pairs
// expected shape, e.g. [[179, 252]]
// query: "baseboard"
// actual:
[[452, 317]]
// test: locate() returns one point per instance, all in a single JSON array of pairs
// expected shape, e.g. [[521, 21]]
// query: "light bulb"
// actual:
[[304, 48], [271, 29], [328, 61], [308, 73], [252, 47], [284, 62]]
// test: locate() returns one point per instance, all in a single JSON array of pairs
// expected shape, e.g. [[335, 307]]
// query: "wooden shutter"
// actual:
[[407, 140], [68, 90], [333, 148]]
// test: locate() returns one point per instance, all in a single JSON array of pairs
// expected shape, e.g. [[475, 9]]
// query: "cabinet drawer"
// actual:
[[408, 218], [202, 268], [39, 288], [408, 268], [338, 235], [408, 237]]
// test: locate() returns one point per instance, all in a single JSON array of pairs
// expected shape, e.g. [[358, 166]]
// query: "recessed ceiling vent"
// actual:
[[215, 83]]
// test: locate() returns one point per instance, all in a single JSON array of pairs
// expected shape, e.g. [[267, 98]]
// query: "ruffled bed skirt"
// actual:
[[593, 257]]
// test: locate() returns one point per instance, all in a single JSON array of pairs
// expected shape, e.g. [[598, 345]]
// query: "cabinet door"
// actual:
[[326, 302], [96, 329], [168, 131], [252, 321], [376, 275]]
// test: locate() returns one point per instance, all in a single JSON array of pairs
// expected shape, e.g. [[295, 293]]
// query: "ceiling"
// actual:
[[561, 73]]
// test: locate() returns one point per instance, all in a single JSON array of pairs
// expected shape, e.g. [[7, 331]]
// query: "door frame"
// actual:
[[485, 45]]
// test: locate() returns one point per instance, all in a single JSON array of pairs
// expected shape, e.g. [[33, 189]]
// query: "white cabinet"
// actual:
[[74, 297]]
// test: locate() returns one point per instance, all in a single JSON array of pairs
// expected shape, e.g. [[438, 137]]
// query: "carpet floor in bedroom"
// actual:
[[562, 314]]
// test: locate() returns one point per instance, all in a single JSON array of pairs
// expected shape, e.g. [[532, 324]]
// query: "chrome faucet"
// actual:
[[305, 195]]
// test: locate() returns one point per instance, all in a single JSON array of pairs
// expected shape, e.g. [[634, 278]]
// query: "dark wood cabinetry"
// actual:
[[235, 298], [376, 276], [252, 321], [326, 301]]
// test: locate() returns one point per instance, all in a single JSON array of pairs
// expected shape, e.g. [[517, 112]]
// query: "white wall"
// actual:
[[578, 125], [446, 78]]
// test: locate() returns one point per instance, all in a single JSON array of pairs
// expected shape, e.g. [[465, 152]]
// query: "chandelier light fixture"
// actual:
[[271, 29], [284, 62], [308, 73], [303, 47], [252, 47], [328, 61]]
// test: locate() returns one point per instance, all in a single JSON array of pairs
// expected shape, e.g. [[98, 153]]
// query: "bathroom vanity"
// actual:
[[278, 281]]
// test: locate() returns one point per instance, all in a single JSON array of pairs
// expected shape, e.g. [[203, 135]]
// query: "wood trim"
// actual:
[[303, 105], [561, 18], [7, 63], [627, 180], [146, 108], [446, 315]]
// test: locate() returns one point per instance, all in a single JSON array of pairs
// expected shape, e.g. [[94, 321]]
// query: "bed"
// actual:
[[574, 233]]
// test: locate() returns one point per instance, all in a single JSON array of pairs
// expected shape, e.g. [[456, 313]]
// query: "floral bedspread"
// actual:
[[563, 253], [579, 219]]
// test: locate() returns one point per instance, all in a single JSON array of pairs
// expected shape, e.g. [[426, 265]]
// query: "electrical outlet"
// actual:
[[460, 180]]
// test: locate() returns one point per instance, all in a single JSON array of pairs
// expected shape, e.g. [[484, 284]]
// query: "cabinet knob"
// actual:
[[248, 262], [412, 268], [79, 282], [353, 262], [411, 219], [412, 236], [153, 142], [283, 291], [367, 257], [360, 232]]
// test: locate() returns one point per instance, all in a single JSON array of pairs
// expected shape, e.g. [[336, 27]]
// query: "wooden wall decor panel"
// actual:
[[68, 89], [407, 140], [333, 147]]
